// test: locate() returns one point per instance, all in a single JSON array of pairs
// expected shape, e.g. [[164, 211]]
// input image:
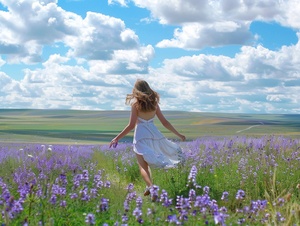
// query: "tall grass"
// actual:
[[224, 181]]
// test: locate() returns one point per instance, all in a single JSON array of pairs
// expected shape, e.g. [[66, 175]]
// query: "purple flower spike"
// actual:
[[90, 219], [103, 205], [206, 189], [225, 196], [240, 195], [130, 187], [154, 192]]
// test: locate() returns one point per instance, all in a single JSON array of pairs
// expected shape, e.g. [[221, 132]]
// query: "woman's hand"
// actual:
[[114, 143], [182, 137]]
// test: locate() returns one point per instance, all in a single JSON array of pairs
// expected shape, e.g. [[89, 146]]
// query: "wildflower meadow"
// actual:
[[238, 180]]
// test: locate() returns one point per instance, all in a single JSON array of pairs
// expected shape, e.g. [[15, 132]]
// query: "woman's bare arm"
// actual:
[[130, 126], [167, 124]]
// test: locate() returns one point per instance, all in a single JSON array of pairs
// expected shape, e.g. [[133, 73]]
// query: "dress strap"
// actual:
[[144, 120]]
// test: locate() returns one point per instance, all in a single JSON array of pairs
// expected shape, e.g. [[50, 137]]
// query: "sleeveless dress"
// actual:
[[157, 151]]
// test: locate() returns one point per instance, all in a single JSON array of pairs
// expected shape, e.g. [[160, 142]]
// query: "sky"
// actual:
[[227, 56]]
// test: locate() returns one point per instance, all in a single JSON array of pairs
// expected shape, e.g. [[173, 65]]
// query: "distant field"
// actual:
[[74, 126]]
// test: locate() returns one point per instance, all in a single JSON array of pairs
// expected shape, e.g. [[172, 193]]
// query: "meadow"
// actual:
[[57, 169], [86, 127]]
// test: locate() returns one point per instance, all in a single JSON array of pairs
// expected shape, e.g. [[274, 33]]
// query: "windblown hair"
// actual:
[[143, 97]]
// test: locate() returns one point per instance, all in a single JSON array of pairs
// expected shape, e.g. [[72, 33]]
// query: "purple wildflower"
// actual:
[[166, 202], [154, 192], [225, 196], [220, 218], [103, 205], [63, 203], [139, 202], [53, 199], [73, 196], [173, 219], [192, 176], [192, 195], [240, 195], [130, 196], [279, 217], [124, 218], [90, 219], [206, 189], [130, 187], [85, 175], [84, 194], [137, 212]]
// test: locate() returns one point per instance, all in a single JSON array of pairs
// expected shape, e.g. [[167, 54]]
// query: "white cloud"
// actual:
[[96, 36], [109, 58], [191, 83], [218, 23], [197, 36], [99, 36]]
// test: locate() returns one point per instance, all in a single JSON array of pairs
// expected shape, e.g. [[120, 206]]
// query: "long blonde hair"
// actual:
[[143, 97]]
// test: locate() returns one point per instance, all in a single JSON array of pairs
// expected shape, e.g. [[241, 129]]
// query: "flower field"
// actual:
[[224, 181]]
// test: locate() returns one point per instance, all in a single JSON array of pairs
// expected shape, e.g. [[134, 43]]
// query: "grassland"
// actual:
[[75, 126]]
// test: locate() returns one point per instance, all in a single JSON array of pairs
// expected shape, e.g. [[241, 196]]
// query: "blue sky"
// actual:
[[205, 56]]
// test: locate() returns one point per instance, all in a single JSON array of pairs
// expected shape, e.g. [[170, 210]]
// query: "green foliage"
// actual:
[[268, 174]]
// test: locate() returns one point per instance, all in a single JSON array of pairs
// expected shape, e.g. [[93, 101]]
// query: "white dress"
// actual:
[[156, 150]]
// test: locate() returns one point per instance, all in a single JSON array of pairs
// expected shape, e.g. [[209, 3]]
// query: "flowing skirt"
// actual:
[[157, 151]]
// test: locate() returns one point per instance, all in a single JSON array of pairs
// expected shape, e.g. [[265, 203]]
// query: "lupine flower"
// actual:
[[173, 219], [63, 179], [240, 195], [103, 205], [124, 218], [220, 218], [73, 196], [192, 195], [107, 184], [139, 202], [84, 194], [192, 176], [137, 212], [99, 184], [63, 203], [279, 217], [154, 192], [225, 196], [16, 208], [130, 196], [90, 219], [166, 202], [85, 175], [53, 199], [130, 187], [206, 189]]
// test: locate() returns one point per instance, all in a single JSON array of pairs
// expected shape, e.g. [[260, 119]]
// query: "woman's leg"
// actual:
[[144, 169]]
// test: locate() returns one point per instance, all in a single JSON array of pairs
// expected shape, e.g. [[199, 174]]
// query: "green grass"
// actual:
[[220, 167], [73, 126]]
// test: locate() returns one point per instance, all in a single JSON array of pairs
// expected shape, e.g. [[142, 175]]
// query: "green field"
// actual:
[[75, 126]]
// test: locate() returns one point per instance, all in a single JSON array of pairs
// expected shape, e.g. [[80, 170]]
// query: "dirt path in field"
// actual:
[[250, 127]]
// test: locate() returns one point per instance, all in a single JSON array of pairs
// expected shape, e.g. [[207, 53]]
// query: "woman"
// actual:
[[151, 147]]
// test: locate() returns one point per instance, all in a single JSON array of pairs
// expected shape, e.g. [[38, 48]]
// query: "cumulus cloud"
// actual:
[[103, 57], [255, 80], [29, 25], [197, 36], [217, 23], [59, 85]]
